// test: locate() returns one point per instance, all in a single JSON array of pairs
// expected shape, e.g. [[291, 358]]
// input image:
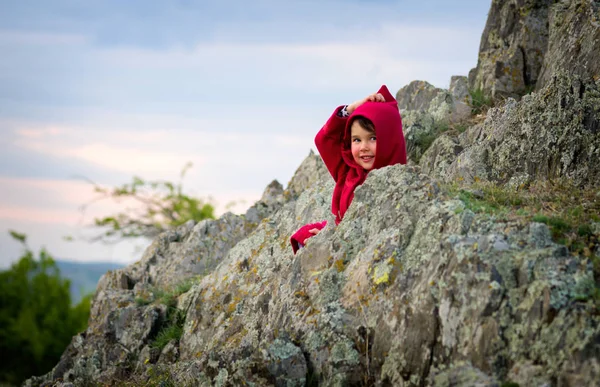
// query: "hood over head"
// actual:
[[385, 116]]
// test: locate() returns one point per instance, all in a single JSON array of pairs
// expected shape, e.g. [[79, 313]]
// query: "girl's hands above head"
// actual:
[[375, 97]]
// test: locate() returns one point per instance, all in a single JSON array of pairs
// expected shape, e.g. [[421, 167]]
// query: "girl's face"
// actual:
[[363, 146]]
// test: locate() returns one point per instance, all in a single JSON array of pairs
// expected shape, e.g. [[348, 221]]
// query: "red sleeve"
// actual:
[[329, 143], [303, 234]]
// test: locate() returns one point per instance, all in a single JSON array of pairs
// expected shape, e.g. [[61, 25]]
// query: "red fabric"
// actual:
[[304, 233], [335, 151], [337, 156]]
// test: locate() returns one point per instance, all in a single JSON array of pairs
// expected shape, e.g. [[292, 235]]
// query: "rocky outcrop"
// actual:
[[411, 289], [417, 95], [574, 43], [512, 49], [525, 42], [427, 111], [551, 134]]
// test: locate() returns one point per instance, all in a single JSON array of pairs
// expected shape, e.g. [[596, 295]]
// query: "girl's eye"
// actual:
[[373, 138], [356, 140]]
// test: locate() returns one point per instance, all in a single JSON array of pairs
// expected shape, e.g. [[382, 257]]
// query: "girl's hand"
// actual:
[[314, 231], [375, 97]]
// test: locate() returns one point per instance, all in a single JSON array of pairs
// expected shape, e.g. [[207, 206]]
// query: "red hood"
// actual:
[[385, 116]]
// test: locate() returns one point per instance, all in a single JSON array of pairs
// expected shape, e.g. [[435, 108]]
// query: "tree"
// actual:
[[163, 205], [37, 320]]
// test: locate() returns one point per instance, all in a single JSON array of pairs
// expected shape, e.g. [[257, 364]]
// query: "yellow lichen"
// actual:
[[384, 278]]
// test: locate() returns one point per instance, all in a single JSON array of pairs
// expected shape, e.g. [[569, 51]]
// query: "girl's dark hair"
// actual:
[[366, 123]]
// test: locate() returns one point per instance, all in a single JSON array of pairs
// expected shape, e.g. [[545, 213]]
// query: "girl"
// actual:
[[356, 139]]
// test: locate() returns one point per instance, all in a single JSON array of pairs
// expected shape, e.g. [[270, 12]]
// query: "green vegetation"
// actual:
[[37, 320], [568, 211], [480, 103], [166, 297], [173, 326], [423, 143], [161, 205], [172, 329]]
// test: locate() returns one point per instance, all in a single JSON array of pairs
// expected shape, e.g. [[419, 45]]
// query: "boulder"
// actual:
[[410, 289], [574, 42], [512, 48], [554, 133], [417, 95]]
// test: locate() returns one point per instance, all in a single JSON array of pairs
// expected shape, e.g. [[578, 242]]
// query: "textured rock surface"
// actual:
[[574, 43], [417, 95], [549, 134], [512, 48], [428, 111], [525, 42], [410, 289]]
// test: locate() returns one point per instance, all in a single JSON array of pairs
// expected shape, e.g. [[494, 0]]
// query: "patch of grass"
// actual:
[[509, 384], [480, 103], [568, 211], [166, 296], [172, 330], [140, 301]]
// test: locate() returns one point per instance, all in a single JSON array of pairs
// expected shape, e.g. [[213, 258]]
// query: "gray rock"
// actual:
[[547, 135], [574, 42], [512, 48], [409, 289], [459, 88], [287, 364], [440, 155], [417, 95]]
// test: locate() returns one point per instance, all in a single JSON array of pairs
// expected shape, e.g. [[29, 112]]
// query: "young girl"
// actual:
[[356, 139]]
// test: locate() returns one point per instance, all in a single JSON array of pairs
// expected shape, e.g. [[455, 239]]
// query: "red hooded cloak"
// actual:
[[333, 143]]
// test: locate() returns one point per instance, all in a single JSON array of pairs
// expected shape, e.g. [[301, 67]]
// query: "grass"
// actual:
[[440, 127], [480, 103], [173, 327], [166, 296], [568, 211], [172, 330]]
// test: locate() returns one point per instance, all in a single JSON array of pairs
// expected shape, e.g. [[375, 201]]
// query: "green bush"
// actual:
[[37, 320]]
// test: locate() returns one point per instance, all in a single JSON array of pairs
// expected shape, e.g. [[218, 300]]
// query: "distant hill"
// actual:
[[84, 276]]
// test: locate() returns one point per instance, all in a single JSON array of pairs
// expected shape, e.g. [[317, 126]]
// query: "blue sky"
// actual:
[[112, 89]]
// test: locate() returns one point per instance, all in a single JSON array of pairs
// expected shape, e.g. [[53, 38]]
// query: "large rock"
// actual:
[[427, 112], [551, 134], [410, 289], [417, 95], [574, 44], [512, 48]]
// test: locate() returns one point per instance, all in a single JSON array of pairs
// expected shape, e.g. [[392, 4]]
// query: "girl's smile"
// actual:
[[363, 145]]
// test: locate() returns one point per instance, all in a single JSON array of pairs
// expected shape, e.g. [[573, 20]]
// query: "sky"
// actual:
[[106, 90]]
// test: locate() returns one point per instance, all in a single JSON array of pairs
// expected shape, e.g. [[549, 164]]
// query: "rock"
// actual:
[[416, 96], [272, 199], [512, 49], [438, 158], [287, 364], [409, 289], [547, 135], [421, 127], [574, 42], [459, 88], [462, 375], [311, 172]]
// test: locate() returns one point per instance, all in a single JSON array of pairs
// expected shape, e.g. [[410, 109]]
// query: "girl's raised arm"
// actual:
[[329, 142]]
